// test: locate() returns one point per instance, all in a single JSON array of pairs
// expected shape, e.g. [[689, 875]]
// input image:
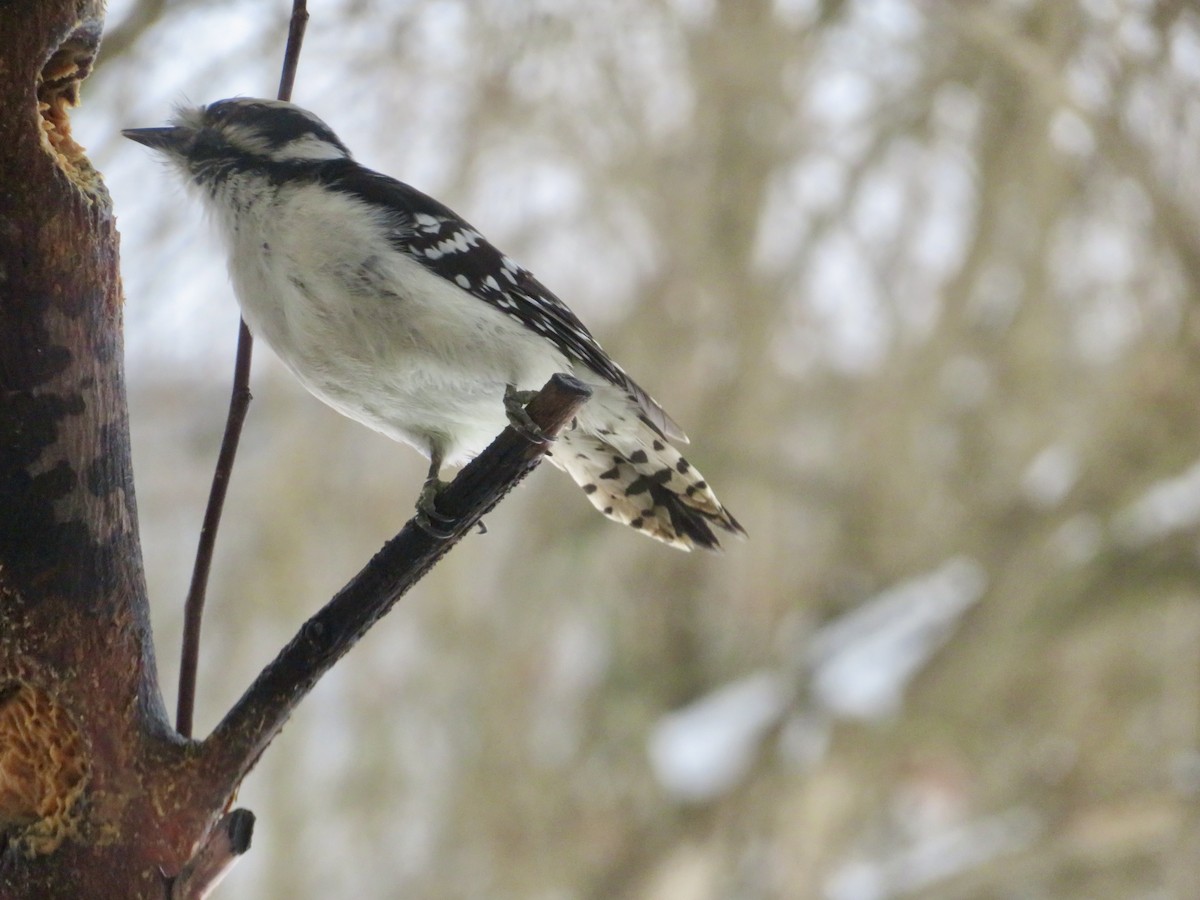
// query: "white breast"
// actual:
[[372, 332]]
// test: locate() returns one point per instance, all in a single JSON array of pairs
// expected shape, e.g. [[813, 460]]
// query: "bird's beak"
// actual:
[[171, 140]]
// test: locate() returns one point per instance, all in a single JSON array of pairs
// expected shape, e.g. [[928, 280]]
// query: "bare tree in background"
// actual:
[[922, 277]]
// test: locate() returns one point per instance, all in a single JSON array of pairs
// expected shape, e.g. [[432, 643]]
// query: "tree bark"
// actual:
[[87, 755]]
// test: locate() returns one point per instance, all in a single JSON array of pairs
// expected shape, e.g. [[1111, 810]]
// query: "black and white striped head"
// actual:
[[239, 135]]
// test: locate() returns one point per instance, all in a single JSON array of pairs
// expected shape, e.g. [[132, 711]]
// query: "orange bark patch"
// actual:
[[43, 769]]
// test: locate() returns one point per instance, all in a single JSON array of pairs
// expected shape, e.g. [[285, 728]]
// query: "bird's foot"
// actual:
[[518, 418], [434, 523]]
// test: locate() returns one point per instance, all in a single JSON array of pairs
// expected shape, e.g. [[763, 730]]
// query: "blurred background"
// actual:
[[920, 279]]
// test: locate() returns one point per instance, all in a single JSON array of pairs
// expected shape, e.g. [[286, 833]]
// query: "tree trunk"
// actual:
[[88, 761]]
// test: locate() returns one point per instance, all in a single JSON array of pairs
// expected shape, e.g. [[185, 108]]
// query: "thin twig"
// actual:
[[193, 608], [238, 741], [239, 404], [291, 55]]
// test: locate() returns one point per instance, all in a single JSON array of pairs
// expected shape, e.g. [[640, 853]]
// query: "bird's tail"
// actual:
[[637, 478]]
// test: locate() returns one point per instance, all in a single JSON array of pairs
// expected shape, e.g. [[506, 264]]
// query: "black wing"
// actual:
[[443, 242]]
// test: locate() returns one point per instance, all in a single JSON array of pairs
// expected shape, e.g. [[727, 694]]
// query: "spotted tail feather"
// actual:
[[641, 480]]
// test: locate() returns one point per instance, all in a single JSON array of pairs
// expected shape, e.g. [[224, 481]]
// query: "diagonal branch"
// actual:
[[238, 741]]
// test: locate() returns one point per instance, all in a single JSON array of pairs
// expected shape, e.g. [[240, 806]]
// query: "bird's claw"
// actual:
[[518, 418], [428, 518]]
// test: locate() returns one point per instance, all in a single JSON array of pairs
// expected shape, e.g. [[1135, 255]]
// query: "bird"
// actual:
[[395, 311]]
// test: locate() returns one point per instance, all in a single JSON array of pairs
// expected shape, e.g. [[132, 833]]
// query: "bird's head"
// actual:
[[241, 134]]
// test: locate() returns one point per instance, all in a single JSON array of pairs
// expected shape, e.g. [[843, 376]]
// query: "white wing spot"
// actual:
[[463, 282], [459, 242], [428, 223]]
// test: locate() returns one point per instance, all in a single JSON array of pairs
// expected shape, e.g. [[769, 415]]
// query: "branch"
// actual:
[[239, 405], [120, 38], [227, 841], [193, 607], [238, 741]]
